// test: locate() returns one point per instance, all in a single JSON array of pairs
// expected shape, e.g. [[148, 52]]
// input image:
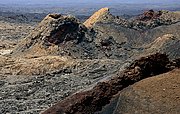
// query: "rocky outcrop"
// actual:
[[151, 19], [108, 38], [136, 32], [93, 100], [150, 15], [99, 16], [147, 20], [54, 31], [66, 36]]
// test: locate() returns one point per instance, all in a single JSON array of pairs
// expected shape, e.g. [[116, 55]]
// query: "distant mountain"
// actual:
[[85, 1]]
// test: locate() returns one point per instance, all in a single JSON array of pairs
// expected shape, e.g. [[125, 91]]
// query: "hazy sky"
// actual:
[[84, 1]]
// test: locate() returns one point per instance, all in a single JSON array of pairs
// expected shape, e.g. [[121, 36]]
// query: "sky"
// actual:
[[84, 1]]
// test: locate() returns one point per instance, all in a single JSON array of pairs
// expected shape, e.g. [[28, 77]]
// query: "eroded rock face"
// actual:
[[66, 36]]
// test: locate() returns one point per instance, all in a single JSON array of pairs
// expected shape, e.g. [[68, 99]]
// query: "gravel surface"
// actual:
[[33, 94]]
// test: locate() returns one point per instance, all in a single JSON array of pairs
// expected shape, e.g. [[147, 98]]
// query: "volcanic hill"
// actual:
[[65, 66]]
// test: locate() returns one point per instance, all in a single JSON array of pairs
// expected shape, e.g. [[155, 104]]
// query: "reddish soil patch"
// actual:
[[91, 101]]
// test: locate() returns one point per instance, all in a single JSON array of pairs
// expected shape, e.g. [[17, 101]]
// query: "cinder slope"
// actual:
[[155, 95]]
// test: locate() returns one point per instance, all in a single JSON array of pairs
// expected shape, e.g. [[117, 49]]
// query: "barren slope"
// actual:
[[156, 95]]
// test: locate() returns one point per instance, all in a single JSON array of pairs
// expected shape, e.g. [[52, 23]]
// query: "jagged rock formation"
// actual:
[[53, 32], [151, 19], [66, 36], [108, 38], [99, 16], [148, 20], [150, 15], [137, 31], [93, 100]]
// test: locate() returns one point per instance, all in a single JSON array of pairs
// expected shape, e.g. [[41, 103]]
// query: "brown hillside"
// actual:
[[157, 95]]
